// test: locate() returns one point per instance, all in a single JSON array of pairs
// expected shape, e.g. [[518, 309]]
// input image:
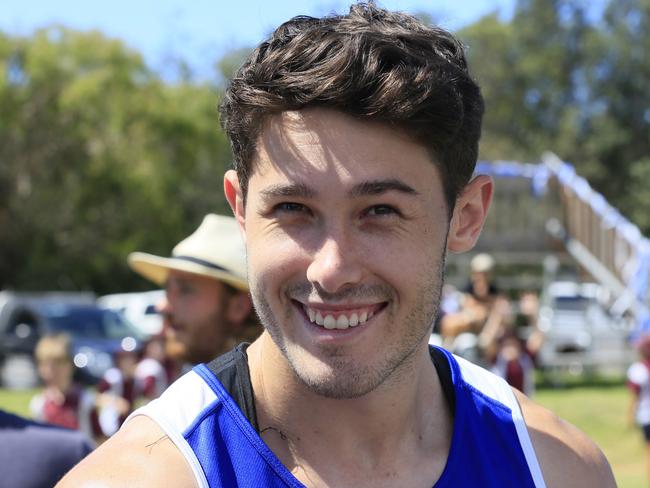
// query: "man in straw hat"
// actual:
[[355, 139], [207, 308]]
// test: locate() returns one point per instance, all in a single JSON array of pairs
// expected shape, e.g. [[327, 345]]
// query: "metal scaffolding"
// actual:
[[545, 213]]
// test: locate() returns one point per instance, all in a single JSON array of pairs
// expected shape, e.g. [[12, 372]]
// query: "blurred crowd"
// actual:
[[484, 325], [205, 311], [137, 377]]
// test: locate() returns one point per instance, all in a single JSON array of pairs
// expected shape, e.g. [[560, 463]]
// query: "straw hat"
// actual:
[[215, 249]]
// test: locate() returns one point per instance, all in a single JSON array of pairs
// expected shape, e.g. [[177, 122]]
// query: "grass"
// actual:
[[599, 410], [16, 401]]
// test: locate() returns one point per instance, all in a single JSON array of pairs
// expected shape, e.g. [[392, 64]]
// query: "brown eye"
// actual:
[[381, 210], [290, 207]]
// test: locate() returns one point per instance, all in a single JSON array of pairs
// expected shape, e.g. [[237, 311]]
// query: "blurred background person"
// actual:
[[151, 370], [510, 347], [476, 301], [37, 455], [461, 327], [482, 325], [638, 380], [137, 377], [62, 402], [207, 309], [118, 391]]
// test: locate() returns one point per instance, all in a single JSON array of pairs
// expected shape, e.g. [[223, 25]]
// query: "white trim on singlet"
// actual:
[[196, 395], [499, 390]]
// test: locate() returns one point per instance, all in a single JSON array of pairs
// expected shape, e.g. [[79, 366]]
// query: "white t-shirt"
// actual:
[[639, 375]]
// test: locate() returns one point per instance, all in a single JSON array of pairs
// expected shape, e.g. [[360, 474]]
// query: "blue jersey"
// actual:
[[490, 444]]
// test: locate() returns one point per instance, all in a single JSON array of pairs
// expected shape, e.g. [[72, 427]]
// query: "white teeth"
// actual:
[[330, 322], [342, 322]]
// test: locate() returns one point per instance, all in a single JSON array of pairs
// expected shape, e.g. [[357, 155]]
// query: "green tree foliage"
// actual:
[[618, 130], [530, 71], [567, 77], [98, 157]]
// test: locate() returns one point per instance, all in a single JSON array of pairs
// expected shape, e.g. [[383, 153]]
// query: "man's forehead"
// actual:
[[330, 133], [294, 136], [297, 149]]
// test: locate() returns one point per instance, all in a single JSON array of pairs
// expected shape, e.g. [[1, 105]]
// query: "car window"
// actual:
[[88, 323], [117, 325], [571, 303]]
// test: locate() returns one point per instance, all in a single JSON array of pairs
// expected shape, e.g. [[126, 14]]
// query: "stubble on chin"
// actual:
[[339, 376]]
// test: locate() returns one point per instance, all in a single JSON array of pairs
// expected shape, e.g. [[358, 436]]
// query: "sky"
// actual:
[[200, 30]]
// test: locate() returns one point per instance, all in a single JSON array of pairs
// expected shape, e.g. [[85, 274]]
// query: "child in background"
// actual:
[[118, 391], [132, 382], [150, 371], [62, 401], [638, 380]]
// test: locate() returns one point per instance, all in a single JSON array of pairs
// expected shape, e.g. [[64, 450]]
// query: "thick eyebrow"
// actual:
[[367, 188], [377, 187], [282, 190]]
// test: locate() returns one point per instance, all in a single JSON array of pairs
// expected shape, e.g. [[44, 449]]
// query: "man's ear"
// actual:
[[232, 190], [239, 307], [469, 214]]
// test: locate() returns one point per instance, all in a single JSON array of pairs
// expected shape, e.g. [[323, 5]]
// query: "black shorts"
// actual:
[[646, 432]]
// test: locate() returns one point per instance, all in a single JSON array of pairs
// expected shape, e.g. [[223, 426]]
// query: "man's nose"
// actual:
[[335, 264]]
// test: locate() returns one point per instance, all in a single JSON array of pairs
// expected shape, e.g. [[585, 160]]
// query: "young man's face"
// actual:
[[197, 326], [346, 225]]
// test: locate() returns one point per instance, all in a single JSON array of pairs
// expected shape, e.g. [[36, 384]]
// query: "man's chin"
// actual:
[[175, 350], [336, 378], [345, 387]]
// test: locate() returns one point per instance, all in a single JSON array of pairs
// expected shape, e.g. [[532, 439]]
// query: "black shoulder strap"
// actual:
[[231, 369], [443, 369]]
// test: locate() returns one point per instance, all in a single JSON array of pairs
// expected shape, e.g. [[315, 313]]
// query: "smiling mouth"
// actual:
[[339, 319]]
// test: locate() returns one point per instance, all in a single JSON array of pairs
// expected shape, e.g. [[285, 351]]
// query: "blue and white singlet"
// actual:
[[490, 444]]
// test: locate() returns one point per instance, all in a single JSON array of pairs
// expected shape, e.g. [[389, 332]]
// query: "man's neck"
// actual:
[[405, 417]]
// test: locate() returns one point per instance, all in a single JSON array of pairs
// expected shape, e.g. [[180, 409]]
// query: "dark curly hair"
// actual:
[[371, 63]]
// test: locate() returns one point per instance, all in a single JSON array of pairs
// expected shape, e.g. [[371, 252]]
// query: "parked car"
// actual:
[[580, 333], [138, 307], [96, 334]]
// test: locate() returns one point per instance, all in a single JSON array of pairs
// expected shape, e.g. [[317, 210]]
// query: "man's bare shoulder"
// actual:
[[138, 455], [568, 458]]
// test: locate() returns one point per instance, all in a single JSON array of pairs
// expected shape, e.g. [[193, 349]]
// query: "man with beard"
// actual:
[[355, 139], [207, 308]]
